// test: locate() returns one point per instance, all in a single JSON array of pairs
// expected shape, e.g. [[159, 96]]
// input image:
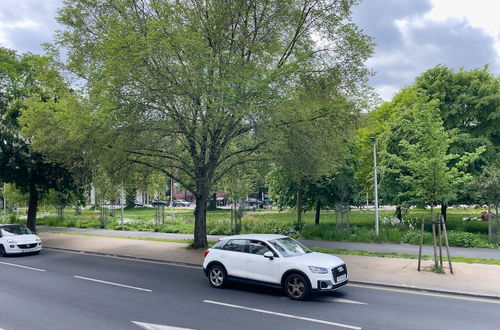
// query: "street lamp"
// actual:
[[4, 204], [374, 140]]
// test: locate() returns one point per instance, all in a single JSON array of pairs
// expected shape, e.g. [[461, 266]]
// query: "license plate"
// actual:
[[341, 278]]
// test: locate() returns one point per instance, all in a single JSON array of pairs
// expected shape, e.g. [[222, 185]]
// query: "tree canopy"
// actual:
[[189, 87]]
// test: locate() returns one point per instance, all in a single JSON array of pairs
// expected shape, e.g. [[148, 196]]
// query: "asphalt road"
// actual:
[[63, 290]]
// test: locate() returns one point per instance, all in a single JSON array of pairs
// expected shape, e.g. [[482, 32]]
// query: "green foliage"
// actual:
[[191, 90]]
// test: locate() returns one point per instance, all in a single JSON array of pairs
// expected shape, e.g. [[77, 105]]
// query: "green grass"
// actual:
[[405, 256], [361, 229]]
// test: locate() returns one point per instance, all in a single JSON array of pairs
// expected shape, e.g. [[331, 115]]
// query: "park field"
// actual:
[[361, 225]]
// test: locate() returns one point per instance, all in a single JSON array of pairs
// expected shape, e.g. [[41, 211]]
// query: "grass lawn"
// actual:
[[361, 224]]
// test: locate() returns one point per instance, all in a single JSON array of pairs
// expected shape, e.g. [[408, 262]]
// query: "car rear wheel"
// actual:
[[217, 276], [2, 251], [296, 287]]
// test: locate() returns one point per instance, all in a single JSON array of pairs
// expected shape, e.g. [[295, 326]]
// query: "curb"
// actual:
[[372, 284], [427, 290]]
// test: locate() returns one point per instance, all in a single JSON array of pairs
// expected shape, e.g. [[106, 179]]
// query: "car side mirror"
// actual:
[[269, 255]]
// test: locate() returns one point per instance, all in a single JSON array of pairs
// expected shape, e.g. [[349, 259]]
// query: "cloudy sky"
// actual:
[[411, 35]]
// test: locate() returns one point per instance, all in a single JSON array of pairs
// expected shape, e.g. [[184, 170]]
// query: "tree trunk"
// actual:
[[32, 208], [200, 221], [490, 227], [212, 203], [299, 203], [399, 213], [444, 207], [318, 212]]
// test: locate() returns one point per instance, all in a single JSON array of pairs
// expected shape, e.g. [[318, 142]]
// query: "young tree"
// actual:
[[429, 175], [189, 85]]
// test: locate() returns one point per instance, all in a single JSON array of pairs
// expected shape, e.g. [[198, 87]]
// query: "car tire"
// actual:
[[217, 276], [2, 251], [296, 287]]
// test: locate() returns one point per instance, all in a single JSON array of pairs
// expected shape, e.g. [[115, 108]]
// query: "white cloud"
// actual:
[[414, 36], [483, 14]]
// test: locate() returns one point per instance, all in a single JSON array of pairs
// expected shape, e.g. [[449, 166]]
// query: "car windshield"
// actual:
[[15, 230], [289, 247]]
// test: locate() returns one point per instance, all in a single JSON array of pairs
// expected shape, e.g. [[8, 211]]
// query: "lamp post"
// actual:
[[374, 140], [4, 204]]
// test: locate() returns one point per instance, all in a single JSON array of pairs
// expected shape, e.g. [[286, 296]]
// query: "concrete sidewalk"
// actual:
[[469, 279], [369, 247]]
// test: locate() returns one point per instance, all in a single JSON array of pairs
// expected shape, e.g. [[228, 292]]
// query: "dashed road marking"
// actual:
[[21, 266], [112, 283], [345, 301], [151, 326], [283, 315]]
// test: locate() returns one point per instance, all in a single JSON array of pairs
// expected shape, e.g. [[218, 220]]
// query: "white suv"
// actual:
[[274, 260]]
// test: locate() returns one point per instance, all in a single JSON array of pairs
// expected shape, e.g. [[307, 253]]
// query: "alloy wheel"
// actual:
[[296, 287], [217, 276]]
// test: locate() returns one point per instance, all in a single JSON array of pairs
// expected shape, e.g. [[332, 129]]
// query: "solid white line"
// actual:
[[111, 283], [20, 266], [283, 315]]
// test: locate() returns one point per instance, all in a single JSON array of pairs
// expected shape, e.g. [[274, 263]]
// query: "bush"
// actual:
[[465, 239]]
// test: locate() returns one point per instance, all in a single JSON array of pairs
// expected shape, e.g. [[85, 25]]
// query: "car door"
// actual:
[[233, 256], [260, 268]]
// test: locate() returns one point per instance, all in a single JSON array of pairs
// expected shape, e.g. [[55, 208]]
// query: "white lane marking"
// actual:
[[423, 293], [112, 283], [151, 326], [20, 266], [283, 315], [346, 301]]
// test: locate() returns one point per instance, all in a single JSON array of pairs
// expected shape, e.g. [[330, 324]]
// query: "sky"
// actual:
[[411, 36]]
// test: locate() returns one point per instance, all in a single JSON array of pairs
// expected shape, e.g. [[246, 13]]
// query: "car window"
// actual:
[[289, 247], [15, 230], [219, 244], [258, 247], [237, 245]]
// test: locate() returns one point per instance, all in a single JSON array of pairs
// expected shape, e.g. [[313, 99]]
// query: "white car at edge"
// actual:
[[274, 260], [17, 239]]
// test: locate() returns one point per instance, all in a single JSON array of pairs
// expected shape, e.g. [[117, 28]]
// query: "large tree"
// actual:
[[188, 86], [25, 80]]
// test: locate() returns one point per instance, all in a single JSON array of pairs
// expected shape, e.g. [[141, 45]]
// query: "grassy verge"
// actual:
[[468, 260]]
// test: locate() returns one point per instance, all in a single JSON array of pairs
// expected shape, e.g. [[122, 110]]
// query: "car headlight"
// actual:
[[38, 239], [318, 270], [11, 241]]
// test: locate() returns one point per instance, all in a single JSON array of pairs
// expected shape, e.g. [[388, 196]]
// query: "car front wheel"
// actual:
[[217, 276], [296, 287], [2, 251]]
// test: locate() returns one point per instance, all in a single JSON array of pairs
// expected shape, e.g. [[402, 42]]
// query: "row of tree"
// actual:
[[235, 95], [191, 89]]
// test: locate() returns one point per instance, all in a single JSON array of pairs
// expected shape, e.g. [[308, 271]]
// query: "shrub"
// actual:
[[465, 239]]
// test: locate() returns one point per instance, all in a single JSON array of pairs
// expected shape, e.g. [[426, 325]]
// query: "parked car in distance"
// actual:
[[180, 203], [17, 239], [159, 203], [274, 260]]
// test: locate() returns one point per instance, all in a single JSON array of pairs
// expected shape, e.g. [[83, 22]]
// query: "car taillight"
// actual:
[[206, 253]]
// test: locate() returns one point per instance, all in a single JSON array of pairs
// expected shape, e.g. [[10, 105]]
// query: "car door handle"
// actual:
[[249, 260]]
